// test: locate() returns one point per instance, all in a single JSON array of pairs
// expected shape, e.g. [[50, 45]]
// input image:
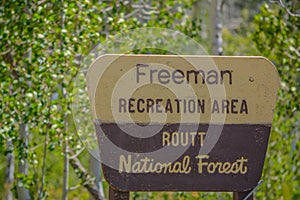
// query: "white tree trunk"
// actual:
[[95, 170], [216, 27], [66, 168], [9, 171], [23, 193]]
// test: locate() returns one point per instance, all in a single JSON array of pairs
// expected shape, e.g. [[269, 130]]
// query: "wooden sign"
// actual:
[[182, 123]]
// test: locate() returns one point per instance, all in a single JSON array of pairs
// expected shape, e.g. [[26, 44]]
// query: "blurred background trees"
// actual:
[[42, 44]]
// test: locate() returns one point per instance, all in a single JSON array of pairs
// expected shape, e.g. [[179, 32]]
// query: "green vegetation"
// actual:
[[41, 45], [277, 37]]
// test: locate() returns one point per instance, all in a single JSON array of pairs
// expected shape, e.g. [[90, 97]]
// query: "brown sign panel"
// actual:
[[187, 123]]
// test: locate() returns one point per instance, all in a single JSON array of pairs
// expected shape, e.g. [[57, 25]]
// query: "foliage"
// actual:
[[238, 42], [42, 43], [277, 37], [39, 44]]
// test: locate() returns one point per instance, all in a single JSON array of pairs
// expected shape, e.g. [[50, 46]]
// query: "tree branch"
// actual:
[[74, 187], [87, 179], [5, 52], [10, 60], [293, 49], [77, 154], [280, 2]]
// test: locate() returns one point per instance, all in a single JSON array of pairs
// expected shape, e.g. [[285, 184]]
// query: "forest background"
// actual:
[[41, 46]]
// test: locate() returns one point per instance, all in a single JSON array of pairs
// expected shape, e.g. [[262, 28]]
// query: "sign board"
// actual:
[[182, 123]]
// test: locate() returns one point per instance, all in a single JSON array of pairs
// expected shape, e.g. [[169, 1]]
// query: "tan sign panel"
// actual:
[[182, 123], [189, 89]]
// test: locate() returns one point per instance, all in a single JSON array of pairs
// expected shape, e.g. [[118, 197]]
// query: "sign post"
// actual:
[[115, 194], [182, 123], [242, 196]]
